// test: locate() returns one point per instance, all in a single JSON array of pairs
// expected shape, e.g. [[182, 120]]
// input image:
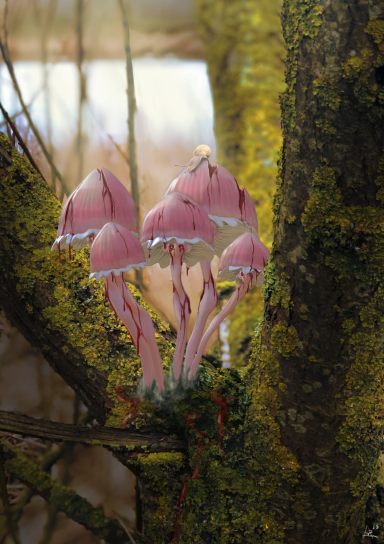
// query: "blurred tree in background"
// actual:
[[244, 50]]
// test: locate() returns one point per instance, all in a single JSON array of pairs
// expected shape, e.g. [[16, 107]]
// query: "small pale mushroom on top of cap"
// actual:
[[99, 199], [244, 260], [176, 231], [114, 251], [231, 210]]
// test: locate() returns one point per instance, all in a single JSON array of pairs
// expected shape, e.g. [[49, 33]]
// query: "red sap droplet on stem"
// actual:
[[187, 271]]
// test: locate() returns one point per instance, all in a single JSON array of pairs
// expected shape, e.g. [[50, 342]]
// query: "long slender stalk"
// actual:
[[7, 60], [131, 110], [5, 499]]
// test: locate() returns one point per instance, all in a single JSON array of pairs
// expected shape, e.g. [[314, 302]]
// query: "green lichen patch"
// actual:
[[350, 238], [300, 20], [270, 366], [276, 288], [375, 28], [284, 339], [326, 127], [326, 93]]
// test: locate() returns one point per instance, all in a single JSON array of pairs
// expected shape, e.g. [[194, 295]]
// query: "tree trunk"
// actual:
[[286, 452], [320, 347]]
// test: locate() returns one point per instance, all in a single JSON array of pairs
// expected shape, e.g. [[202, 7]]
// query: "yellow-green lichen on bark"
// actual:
[[284, 339], [300, 18], [63, 498]]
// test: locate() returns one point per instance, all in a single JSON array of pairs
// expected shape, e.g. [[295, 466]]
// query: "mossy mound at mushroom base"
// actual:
[[239, 457]]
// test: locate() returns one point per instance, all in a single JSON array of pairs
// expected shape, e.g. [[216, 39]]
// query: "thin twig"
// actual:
[[46, 28], [118, 148], [5, 500], [7, 60], [82, 85], [21, 112], [20, 139], [131, 111], [130, 535], [4, 23]]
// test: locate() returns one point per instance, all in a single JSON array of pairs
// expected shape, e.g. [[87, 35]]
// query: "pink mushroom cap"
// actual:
[[218, 193], [99, 199], [177, 219], [115, 249], [247, 254]]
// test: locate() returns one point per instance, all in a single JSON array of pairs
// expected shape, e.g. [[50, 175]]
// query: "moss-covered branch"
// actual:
[[56, 307], [64, 498], [49, 430]]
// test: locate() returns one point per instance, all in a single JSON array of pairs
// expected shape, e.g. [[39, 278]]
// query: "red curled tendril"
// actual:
[[222, 415]]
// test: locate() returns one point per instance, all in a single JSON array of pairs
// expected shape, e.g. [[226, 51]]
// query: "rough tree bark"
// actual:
[[293, 458]]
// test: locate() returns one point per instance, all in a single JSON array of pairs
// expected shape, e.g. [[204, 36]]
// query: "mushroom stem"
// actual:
[[181, 306], [228, 308], [139, 324], [208, 301]]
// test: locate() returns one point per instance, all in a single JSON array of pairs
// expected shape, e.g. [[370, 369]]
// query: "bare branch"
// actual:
[[21, 112], [118, 148], [82, 85], [64, 498], [131, 111], [105, 436]]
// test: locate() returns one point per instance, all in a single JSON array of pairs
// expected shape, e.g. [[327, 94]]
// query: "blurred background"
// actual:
[[205, 72]]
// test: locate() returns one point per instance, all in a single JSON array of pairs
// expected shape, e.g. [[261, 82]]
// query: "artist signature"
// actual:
[[368, 532]]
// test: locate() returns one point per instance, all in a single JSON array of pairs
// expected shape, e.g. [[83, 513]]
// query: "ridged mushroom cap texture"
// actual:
[[115, 249], [101, 198], [177, 219], [247, 254], [216, 190]]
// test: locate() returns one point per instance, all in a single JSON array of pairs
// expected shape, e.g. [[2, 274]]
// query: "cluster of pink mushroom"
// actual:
[[203, 213]]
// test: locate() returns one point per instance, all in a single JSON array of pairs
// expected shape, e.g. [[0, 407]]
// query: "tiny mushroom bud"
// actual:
[[176, 231], [114, 251], [243, 260], [99, 199]]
